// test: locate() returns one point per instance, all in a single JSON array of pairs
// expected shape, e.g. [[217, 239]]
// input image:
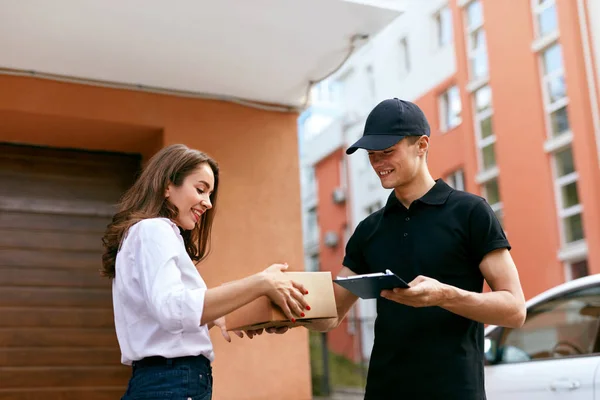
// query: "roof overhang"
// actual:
[[261, 50]]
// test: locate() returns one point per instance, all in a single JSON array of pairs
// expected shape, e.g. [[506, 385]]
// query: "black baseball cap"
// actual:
[[388, 123]]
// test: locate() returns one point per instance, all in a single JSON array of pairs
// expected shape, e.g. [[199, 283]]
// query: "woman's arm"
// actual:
[[272, 282]]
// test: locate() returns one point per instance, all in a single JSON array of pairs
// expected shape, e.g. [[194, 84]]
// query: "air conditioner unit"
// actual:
[[339, 195], [331, 239]]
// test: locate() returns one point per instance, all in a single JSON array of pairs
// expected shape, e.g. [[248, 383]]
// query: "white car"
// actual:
[[555, 354]]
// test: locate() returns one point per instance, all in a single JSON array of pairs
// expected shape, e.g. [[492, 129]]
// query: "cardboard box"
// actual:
[[262, 313]]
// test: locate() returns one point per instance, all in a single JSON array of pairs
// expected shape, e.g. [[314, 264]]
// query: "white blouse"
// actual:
[[158, 295]]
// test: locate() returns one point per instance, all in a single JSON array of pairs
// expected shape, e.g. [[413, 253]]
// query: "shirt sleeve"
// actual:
[[176, 308], [354, 257], [486, 233]]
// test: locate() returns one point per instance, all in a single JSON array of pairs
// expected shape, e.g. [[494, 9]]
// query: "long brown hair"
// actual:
[[146, 199]]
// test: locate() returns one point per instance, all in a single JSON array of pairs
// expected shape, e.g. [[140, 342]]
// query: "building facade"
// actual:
[[88, 93], [510, 90]]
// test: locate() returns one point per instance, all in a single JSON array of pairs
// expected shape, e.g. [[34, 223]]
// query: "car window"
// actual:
[[561, 327]]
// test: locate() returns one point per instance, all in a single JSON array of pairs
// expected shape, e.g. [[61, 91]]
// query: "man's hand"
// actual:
[[220, 322], [423, 292], [256, 332]]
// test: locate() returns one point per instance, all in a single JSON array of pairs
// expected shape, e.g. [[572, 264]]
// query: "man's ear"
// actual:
[[423, 144]]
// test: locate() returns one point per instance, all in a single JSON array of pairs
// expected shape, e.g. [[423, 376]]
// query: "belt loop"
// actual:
[[170, 362]]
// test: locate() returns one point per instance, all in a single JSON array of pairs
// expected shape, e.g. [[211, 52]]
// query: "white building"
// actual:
[[411, 56]]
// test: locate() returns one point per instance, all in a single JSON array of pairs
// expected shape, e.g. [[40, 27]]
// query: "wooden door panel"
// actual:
[[59, 356], [37, 257], [57, 337], [54, 297], [56, 317], [32, 276]]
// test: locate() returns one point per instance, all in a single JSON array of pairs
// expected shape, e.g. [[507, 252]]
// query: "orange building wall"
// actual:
[[525, 181], [585, 148], [333, 217], [258, 219]]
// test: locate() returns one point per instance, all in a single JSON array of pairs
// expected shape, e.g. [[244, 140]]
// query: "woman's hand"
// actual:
[[284, 292]]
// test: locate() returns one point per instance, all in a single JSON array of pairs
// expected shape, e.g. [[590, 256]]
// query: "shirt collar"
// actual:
[[436, 196], [173, 225]]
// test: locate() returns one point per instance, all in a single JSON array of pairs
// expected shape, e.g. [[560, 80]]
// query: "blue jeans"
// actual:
[[182, 378]]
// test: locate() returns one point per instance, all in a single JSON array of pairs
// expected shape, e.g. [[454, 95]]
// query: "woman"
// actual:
[[163, 309]]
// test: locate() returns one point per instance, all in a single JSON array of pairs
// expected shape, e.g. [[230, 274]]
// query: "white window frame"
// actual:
[[344, 173], [372, 85], [547, 78], [310, 256], [555, 144], [472, 53], [444, 109], [475, 52], [568, 266], [573, 253], [550, 106], [483, 142], [562, 212], [537, 10], [497, 207], [438, 23], [313, 231], [456, 179], [404, 56]]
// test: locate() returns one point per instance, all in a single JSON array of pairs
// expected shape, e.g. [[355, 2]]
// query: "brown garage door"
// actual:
[[57, 339]]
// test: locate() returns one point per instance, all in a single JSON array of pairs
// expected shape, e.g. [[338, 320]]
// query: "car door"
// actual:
[[554, 355]]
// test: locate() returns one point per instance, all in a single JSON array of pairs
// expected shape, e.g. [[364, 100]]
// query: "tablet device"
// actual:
[[369, 286]]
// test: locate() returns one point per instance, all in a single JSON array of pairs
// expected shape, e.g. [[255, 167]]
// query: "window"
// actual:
[[343, 173], [404, 57], [483, 99], [478, 54], [484, 130], [545, 18], [569, 207], [325, 92], [559, 122], [476, 41], [371, 81], [561, 327], [314, 264], [555, 90], [488, 156], [371, 208], [312, 224], [443, 27], [474, 15], [309, 175], [491, 192], [578, 269], [456, 180], [450, 109]]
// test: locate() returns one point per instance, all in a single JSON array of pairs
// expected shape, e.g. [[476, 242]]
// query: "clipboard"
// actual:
[[369, 286]]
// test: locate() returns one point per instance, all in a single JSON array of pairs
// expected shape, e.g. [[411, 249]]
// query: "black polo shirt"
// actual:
[[427, 353]]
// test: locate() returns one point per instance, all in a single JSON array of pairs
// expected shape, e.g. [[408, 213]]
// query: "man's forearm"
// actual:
[[495, 308]]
